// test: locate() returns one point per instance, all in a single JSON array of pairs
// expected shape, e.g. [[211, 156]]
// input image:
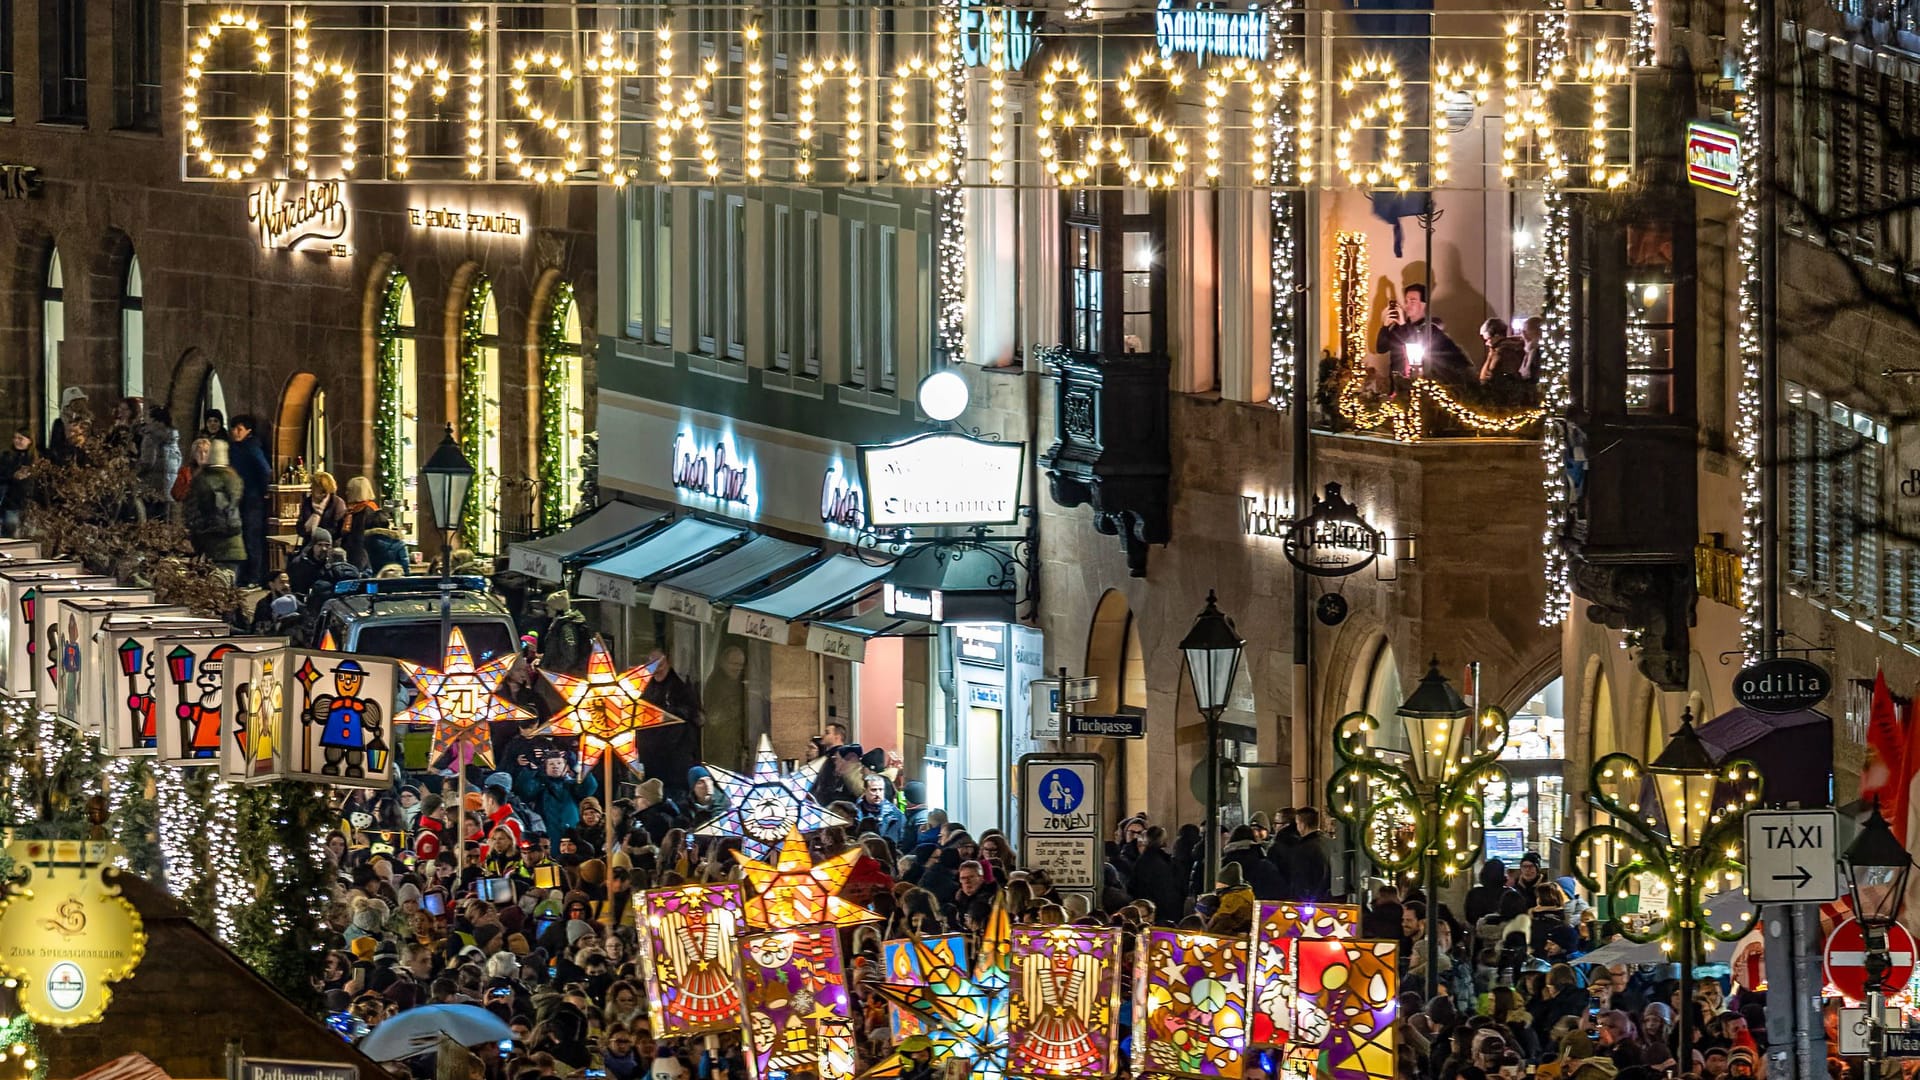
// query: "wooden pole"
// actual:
[[606, 849]]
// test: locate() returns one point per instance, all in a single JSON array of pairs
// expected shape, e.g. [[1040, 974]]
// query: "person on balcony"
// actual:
[[1506, 354], [1417, 344]]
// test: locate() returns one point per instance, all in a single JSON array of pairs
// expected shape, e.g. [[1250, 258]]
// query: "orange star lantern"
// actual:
[[604, 708], [461, 701], [794, 890]]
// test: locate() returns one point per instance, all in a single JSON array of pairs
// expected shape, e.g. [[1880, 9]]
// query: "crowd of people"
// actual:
[[423, 920]]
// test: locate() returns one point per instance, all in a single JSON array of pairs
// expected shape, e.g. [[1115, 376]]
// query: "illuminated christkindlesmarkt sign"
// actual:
[[1174, 95]]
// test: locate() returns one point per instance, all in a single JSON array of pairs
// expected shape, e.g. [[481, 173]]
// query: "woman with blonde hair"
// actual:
[[321, 508], [358, 518], [197, 455]]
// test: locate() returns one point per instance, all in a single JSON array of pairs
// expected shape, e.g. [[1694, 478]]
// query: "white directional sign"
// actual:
[[1791, 856]]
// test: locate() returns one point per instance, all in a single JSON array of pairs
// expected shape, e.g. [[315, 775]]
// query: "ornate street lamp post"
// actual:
[[1690, 845], [1212, 649], [1877, 867], [1427, 810]]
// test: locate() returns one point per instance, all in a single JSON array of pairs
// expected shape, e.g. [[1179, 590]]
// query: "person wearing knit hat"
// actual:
[[593, 872], [518, 945], [619, 860], [502, 965], [363, 946], [576, 930], [409, 893]]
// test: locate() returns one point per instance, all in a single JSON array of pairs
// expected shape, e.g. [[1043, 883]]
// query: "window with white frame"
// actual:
[[705, 303], [1837, 544], [781, 267], [639, 259], [133, 333], [733, 285], [810, 294], [662, 266], [858, 288], [885, 294]]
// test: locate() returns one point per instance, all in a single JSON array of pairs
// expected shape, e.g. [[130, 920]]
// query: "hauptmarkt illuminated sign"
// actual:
[[450, 219], [299, 216], [1177, 93]]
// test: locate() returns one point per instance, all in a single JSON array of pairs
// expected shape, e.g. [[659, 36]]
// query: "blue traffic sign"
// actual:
[[1062, 791]]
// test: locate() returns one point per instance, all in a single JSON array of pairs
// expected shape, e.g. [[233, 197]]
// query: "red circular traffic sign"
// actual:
[[1845, 959]]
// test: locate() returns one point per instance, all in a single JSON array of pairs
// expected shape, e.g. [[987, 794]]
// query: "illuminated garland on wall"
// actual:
[[1284, 170], [1350, 295], [559, 361], [20, 1046], [471, 408], [1747, 432], [1555, 357], [950, 205], [388, 409]]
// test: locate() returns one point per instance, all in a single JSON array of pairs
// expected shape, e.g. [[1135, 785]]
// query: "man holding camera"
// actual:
[[1416, 344]]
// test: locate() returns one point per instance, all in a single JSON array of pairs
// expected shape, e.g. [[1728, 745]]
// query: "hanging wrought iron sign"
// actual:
[[1783, 684], [1333, 540]]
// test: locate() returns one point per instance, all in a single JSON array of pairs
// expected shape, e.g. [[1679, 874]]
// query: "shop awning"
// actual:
[[621, 577], [547, 557], [823, 587], [691, 595], [847, 637]]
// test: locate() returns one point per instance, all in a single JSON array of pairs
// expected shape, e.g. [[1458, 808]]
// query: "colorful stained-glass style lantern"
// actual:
[[965, 1016], [690, 947], [762, 808], [1064, 1011], [1347, 1006], [605, 709], [1278, 925], [792, 982], [1190, 1004], [462, 702], [907, 962]]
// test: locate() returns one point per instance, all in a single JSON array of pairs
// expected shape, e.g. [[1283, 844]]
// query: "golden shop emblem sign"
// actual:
[[296, 216], [66, 933]]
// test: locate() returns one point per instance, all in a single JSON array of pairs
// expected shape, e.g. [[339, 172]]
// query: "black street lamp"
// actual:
[[1213, 651], [1877, 868], [448, 478]]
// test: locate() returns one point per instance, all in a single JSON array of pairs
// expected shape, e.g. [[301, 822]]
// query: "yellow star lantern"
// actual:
[[461, 702], [604, 708], [793, 890]]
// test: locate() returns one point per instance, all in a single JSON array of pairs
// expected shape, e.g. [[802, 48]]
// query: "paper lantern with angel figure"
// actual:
[[462, 702], [1347, 1005], [1065, 1005], [1277, 925], [792, 982], [604, 708], [965, 1015], [1190, 1004], [763, 807], [690, 946]]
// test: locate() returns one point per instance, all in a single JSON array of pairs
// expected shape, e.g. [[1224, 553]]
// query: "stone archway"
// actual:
[[295, 414]]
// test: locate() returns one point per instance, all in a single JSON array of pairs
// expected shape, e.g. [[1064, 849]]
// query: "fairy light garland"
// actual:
[[20, 1046], [1747, 428], [951, 202], [389, 419], [559, 359], [1555, 360], [1284, 168], [230, 891], [471, 414]]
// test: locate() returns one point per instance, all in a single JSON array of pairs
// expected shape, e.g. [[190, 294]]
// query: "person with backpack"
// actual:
[[212, 512]]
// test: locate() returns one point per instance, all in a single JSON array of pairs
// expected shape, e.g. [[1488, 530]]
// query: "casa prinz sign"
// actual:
[[1141, 94]]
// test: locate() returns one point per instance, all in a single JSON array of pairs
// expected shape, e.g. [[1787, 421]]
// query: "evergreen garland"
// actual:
[[472, 410], [20, 1043], [557, 355], [388, 417], [279, 835]]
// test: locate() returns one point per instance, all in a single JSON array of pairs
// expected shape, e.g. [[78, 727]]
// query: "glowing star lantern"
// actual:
[[461, 701], [68, 933], [690, 953], [966, 1018], [793, 890], [793, 983], [604, 708], [908, 962], [763, 808], [1190, 1005], [1065, 1006]]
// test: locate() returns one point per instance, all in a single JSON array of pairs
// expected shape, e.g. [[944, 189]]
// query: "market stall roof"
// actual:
[[694, 592], [832, 582], [618, 577], [1793, 751], [546, 558]]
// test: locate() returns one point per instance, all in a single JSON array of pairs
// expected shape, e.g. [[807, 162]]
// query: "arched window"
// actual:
[[396, 412], [563, 408], [1606, 732], [479, 418], [133, 333], [53, 336]]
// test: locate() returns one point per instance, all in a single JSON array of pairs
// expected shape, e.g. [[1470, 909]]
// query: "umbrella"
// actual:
[[418, 1031]]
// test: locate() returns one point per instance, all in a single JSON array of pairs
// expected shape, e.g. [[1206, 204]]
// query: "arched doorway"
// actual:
[[133, 332], [1115, 658], [53, 337], [396, 402], [195, 395], [1536, 759], [478, 367], [301, 432], [563, 407]]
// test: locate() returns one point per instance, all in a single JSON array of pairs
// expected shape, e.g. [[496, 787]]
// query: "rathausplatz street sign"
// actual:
[[1791, 856]]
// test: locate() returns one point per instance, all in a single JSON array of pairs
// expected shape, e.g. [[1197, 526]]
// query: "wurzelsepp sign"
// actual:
[[1173, 94]]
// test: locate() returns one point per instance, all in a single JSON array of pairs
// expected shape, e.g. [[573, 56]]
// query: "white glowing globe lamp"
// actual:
[[943, 395]]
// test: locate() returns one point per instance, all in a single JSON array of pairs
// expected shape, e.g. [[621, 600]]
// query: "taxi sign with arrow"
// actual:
[[1791, 855]]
